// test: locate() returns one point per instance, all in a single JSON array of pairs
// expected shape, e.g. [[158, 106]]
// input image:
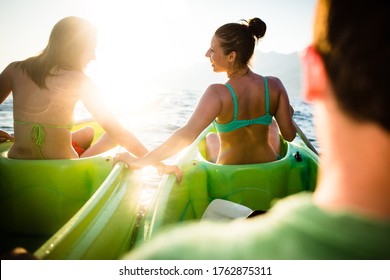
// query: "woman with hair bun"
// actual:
[[242, 109]]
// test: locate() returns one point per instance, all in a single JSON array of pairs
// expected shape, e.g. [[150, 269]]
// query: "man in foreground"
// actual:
[[348, 216]]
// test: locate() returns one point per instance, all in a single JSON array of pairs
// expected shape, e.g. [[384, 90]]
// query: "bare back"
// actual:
[[51, 109], [249, 144]]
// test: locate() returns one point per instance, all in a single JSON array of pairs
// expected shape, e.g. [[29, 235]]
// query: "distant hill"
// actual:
[[197, 77], [286, 67]]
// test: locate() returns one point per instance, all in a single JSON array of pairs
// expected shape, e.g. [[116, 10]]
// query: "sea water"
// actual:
[[155, 119], [167, 110]]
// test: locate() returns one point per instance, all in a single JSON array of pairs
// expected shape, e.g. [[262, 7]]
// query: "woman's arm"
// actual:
[[122, 136], [5, 90], [6, 82], [284, 113], [206, 111]]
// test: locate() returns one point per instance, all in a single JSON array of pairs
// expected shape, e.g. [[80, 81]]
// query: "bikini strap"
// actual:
[[266, 95], [234, 100], [37, 133]]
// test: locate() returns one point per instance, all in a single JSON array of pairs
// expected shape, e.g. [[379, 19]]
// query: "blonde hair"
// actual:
[[69, 38]]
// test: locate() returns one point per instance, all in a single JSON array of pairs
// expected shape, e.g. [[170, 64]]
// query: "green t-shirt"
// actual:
[[294, 229]]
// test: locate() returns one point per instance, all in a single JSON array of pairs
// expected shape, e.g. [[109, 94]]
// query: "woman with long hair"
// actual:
[[45, 91]]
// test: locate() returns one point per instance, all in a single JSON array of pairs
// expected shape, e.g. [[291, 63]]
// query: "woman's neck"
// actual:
[[238, 73]]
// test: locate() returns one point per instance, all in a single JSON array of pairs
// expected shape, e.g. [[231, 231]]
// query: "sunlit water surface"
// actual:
[[161, 112]]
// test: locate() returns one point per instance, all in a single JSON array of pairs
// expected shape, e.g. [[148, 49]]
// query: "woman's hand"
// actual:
[[5, 136], [128, 159], [132, 163], [170, 169]]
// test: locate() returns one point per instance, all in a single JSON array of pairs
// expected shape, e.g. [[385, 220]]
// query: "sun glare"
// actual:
[[137, 42]]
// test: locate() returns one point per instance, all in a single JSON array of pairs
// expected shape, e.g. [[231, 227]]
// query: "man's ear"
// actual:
[[315, 78]]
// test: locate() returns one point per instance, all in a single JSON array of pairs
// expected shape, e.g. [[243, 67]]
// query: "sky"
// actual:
[[139, 40]]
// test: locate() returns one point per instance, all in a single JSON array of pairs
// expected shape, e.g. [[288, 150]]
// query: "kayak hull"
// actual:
[[31, 202], [256, 186], [103, 228], [68, 209], [38, 196]]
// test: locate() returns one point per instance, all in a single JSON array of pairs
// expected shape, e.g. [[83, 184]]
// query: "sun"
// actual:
[[137, 42]]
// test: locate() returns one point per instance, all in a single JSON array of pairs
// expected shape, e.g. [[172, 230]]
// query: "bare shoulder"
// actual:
[[215, 90], [13, 65], [9, 74], [274, 81], [214, 93], [275, 84], [10, 67], [87, 85], [78, 78], [75, 75], [216, 87]]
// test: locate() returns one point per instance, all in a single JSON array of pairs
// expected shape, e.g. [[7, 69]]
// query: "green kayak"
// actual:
[[253, 186], [67, 209], [103, 229]]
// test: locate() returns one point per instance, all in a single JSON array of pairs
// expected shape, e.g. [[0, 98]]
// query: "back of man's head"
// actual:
[[353, 38]]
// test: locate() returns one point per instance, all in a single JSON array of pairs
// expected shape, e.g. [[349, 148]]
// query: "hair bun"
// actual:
[[257, 27]]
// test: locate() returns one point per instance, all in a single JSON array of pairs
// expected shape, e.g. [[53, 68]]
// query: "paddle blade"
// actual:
[[225, 210]]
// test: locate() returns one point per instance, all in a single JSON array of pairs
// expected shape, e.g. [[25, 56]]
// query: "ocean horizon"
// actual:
[[154, 110]]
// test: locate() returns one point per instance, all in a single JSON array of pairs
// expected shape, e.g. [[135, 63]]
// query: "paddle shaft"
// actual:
[[304, 138]]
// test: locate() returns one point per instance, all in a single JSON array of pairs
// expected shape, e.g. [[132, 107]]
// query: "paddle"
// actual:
[[304, 138], [225, 210]]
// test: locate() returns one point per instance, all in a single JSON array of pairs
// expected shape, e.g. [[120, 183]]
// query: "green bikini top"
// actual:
[[37, 132], [235, 123]]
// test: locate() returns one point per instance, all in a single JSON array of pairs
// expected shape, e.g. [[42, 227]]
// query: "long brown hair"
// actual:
[[68, 39]]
